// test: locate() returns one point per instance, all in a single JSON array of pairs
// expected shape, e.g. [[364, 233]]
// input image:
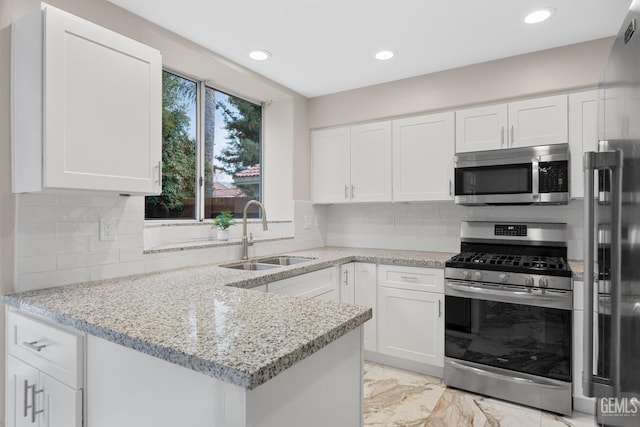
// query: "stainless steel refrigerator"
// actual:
[[612, 238]]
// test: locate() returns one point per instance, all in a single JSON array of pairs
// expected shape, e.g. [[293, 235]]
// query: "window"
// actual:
[[209, 168]]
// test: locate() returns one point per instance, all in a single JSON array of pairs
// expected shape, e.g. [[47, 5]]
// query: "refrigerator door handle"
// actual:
[[589, 248], [611, 160]]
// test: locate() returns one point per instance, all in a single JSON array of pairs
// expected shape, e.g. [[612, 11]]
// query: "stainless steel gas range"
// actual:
[[508, 314]]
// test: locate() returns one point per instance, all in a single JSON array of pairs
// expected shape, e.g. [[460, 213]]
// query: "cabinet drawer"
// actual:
[[49, 348], [310, 285], [415, 278]]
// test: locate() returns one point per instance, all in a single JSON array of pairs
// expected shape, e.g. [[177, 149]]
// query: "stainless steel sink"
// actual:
[[250, 266], [284, 260], [267, 263]]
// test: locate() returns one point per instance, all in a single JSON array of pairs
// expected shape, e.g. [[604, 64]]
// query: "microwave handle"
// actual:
[[535, 179]]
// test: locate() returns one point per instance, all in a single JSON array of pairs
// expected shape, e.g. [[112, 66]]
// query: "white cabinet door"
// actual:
[[371, 162], [583, 135], [331, 165], [321, 284], [347, 283], [88, 114], [62, 404], [365, 294], [411, 325], [20, 378], [423, 149], [481, 128], [539, 121]]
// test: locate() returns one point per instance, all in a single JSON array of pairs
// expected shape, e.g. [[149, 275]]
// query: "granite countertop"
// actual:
[[199, 318]]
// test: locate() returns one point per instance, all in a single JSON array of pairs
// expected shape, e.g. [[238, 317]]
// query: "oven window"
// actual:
[[505, 179], [523, 338]]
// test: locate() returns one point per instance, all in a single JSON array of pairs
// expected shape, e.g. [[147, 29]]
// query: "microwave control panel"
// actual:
[[553, 177]]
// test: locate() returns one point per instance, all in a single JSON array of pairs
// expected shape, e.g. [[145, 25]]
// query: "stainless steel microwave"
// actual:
[[524, 175]]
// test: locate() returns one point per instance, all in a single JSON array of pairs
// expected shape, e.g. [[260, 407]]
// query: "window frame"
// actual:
[[201, 87]]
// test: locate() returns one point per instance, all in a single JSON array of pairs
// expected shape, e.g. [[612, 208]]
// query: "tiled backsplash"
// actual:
[[435, 226], [57, 240], [57, 237]]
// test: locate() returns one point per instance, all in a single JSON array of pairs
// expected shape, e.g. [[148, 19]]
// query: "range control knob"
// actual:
[[543, 283], [466, 275], [528, 281], [503, 277], [479, 275]]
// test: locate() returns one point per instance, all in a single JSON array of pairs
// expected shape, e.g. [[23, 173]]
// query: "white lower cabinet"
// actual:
[[410, 316], [358, 286], [321, 284], [44, 374]]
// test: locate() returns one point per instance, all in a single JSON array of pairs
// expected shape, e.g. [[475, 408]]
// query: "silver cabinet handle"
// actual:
[[450, 188], [512, 136], [352, 191], [35, 412], [33, 345], [411, 278], [33, 393], [346, 277], [26, 398], [501, 136], [346, 191], [439, 308]]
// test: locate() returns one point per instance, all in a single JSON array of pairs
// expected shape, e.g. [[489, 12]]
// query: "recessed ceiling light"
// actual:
[[384, 55], [259, 55], [539, 16]]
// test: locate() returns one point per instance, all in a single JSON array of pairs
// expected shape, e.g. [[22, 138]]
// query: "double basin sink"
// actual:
[[267, 263]]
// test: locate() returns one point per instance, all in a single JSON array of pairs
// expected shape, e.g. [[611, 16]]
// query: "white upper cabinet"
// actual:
[[539, 121], [583, 135], [371, 162], [423, 149], [481, 128], [352, 164], [87, 107], [331, 165]]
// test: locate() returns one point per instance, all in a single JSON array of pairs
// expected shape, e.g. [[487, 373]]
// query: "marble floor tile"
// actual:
[[399, 398]]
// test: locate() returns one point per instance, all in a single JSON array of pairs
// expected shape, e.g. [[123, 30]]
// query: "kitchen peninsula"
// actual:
[[181, 348]]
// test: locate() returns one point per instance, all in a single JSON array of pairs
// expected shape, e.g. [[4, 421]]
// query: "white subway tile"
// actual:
[[169, 262], [32, 281], [77, 229], [87, 259], [36, 200], [35, 230], [29, 247], [36, 264], [110, 271]]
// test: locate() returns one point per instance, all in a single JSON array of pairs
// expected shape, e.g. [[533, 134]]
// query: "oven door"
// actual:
[[510, 328]]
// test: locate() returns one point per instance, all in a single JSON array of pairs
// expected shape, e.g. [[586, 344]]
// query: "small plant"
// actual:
[[223, 220]]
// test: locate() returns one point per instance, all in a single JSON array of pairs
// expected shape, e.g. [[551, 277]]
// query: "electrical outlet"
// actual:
[[308, 221], [107, 228]]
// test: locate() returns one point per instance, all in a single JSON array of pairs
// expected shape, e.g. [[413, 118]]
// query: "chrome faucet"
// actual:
[[248, 242]]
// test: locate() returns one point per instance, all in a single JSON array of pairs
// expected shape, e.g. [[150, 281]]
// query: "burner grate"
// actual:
[[524, 261]]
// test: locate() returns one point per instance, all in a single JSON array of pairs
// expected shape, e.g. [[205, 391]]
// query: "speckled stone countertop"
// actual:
[[198, 318]]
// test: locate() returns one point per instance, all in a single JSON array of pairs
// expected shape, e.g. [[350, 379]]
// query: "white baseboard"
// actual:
[[586, 405], [396, 362]]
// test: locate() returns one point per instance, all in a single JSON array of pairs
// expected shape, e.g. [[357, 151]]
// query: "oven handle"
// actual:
[[486, 373], [562, 299]]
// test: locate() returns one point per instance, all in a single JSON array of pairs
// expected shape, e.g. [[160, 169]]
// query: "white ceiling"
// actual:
[[325, 46]]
